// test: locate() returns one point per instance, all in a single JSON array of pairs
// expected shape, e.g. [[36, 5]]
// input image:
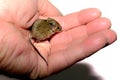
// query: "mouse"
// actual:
[[43, 29]]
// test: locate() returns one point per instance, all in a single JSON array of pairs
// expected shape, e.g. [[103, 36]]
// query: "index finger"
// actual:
[[78, 18]]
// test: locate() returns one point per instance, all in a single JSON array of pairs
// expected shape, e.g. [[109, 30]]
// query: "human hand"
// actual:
[[84, 33]]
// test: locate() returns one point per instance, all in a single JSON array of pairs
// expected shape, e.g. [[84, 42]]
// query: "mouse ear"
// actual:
[[49, 18]]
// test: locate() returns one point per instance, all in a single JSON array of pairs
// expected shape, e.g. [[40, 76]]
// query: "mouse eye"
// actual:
[[52, 23], [58, 27]]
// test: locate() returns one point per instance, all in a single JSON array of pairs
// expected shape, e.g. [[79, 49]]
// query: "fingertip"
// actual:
[[111, 36], [105, 22], [98, 25], [94, 11], [89, 15]]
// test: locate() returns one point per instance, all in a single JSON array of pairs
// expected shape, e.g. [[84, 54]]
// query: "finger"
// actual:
[[91, 45], [45, 8], [79, 18], [98, 25], [94, 26], [78, 51], [81, 32]]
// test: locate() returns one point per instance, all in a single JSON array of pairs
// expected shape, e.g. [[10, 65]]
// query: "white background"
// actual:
[[106, 62]]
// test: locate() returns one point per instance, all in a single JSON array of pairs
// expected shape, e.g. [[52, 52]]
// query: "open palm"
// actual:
[[84, 33]]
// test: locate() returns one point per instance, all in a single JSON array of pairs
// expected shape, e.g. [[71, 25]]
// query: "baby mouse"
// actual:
[[43, 29]]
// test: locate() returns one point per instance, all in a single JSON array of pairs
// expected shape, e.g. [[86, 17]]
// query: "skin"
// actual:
[[64, 49]]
